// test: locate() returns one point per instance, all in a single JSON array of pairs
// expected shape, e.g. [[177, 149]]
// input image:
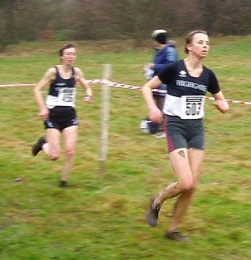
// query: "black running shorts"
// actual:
[[184, 133], [61, 117]]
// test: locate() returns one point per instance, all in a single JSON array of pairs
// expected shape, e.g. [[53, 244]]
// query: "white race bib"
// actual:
[[66, 96], [192, 107]]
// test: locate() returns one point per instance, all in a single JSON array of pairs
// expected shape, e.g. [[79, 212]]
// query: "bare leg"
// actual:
[[49, 144], [180, 163], [180, 209], [52, 145], [195, 158], [171, 191], [70, 138]]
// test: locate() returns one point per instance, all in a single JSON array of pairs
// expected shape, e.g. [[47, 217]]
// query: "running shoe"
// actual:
[[38, 146], [62, 184], [152, 213], [160, 135], [176, 236]]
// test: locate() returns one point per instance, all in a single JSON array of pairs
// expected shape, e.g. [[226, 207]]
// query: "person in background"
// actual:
[[58, 111], [188, 81], [165, 53]]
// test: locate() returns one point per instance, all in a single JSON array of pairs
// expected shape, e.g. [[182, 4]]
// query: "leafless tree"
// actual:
[[120, 19]]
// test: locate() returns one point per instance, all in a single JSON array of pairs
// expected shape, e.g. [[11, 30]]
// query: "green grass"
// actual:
[[104, 219]]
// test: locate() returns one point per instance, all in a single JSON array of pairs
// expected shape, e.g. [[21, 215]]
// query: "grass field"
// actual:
[[104, 219]]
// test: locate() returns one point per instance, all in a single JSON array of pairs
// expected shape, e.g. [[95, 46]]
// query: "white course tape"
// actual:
[[121, 85]]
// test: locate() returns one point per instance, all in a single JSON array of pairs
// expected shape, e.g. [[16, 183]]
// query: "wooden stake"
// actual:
[[104, 120]]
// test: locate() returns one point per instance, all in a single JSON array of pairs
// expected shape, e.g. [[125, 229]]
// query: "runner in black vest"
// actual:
[[188, 81], [58, 112]]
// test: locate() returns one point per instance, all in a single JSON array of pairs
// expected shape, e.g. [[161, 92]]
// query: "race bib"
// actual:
[[192, 107], [66, 96]]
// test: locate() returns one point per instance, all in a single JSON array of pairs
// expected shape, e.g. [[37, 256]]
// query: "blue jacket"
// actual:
[[163, 57]]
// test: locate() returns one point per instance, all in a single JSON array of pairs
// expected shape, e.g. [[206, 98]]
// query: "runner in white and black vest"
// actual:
[[58, 112], [188, 81]]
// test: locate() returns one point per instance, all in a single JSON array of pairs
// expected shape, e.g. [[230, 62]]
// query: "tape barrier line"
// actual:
[[127, 86], [16, 85], [124, 86]]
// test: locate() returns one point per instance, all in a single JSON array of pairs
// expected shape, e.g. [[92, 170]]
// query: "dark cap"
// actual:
[[160, 36]]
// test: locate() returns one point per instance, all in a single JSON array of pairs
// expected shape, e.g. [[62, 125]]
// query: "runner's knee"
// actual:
[[69, 153], [187, 185], [54, 154]]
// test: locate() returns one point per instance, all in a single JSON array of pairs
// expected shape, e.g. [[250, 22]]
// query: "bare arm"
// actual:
[[85, 85], [45, 81], [154, 113], [220, 102]]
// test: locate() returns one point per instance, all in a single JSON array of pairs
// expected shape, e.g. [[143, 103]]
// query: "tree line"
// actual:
[[31, 20]]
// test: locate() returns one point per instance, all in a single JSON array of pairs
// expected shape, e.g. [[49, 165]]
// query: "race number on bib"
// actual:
[[192, 107], [66, 96]]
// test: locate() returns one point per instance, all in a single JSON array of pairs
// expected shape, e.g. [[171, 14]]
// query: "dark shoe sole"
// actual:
[[152, 213], [37, 147], [176, 236], [63, 184]]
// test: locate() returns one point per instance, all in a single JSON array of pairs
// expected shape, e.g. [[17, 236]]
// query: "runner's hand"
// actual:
[[44, 113], [88, 99], [221, 105], [156, 115]]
